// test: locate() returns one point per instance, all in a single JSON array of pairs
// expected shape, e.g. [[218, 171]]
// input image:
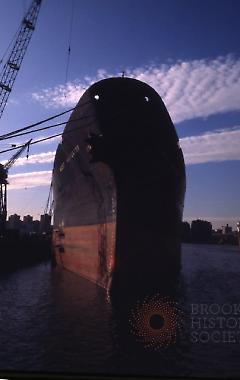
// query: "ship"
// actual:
[[118, 187]]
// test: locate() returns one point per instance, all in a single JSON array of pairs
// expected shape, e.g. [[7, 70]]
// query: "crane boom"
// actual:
[[12, 66], [10, 162]]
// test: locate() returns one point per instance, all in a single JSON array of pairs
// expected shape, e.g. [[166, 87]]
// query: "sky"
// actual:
[[187, 50]]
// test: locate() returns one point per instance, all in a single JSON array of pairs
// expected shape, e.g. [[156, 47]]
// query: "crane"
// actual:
[[3, 184], [49, 205], [12, 66]]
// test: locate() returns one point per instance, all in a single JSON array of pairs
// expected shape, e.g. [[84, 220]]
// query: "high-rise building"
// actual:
[[27, 219], [36, 226], [14, 222], [27, 224], [45, 224]]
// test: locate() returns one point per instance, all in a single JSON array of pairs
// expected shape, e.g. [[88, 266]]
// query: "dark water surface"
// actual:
[[55, 321]]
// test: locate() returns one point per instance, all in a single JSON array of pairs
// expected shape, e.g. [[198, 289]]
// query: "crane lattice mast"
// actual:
[[49, 206], [3, 184], [12, 66]]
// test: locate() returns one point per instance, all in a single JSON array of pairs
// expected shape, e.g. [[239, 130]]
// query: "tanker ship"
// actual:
[[118, 188]]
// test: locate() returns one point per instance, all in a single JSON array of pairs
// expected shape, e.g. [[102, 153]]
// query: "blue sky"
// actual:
[[188, 50]]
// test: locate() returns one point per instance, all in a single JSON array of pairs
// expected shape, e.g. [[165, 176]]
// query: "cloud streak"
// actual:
[[33, 179], [41, 158], [190, 89], [220, 145]]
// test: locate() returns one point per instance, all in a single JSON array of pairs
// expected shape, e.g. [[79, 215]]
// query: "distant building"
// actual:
[[227, 229], [186, 232], [27, 224], [238, 232], [201, 231], [27, 219], [36, 226], [14, 222], [45, 224]]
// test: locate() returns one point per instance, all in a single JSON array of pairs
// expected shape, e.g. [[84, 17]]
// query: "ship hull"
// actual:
[[119, 185]]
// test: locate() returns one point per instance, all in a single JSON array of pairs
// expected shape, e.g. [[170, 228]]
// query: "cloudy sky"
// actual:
[[188, 50]]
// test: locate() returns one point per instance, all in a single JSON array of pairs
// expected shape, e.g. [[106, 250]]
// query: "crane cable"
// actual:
[[69, 43]]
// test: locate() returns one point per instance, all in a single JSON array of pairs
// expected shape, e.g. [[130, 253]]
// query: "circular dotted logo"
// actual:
[[156, 321]]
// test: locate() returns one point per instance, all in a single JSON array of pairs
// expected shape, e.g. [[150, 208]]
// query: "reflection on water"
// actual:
[[55, 321]]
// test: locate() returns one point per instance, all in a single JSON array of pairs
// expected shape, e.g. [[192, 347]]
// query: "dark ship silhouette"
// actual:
[[118, 187]]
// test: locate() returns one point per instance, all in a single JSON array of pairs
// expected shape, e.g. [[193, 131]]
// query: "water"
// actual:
[[55, 321]]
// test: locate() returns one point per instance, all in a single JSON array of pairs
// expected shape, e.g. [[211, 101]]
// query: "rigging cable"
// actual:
[[15, 133], [58, 134], [34, 142], [2, 137], [34, 125], [39, 141], [44, 128]]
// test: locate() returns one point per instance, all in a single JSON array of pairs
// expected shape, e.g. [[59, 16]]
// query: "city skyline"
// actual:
[[26, 218], [188, 51]]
